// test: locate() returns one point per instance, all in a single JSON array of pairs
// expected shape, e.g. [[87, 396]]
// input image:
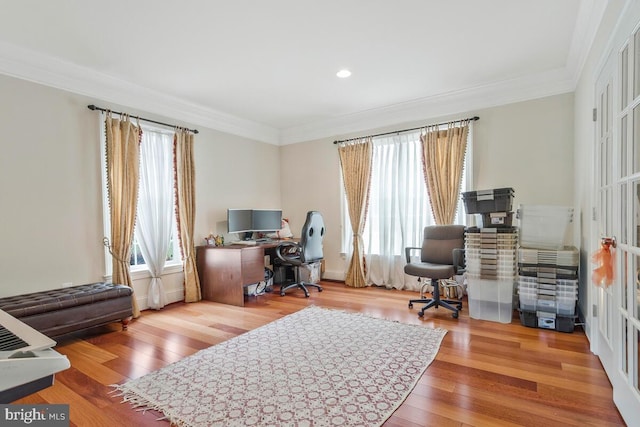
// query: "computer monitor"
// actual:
[[239, 220], [266, 220], [249, 221]]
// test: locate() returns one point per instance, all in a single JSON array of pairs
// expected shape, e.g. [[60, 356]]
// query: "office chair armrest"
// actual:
[[458, 260], [407, 252], [288, 257]]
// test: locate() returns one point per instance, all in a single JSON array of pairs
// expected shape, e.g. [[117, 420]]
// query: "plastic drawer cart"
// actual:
[[548, 288], [491, 271]]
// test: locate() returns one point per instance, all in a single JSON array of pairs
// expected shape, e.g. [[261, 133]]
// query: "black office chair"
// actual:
[[307, 251], [441, 257]]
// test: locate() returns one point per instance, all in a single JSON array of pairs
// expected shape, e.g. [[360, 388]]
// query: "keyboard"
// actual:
[[18, 336], [252, 241], [27, 361], [245, 242], [265, 240]]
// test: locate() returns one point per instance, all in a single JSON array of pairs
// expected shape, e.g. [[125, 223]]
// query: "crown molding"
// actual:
[[554, 82], [50, 71], [549, 83], [36, 67], [588, 21]]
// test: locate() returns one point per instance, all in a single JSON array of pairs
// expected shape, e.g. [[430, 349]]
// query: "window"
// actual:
[[137, 259], [156, 187], [399, 208]]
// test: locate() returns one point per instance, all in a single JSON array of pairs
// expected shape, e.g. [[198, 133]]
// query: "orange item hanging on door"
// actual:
[[604, 257]]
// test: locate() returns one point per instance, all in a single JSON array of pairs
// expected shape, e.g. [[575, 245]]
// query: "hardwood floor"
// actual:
[[485, 374]]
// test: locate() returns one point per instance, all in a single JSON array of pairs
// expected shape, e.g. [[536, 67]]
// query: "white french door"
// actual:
[[616, 333], [603, 339]]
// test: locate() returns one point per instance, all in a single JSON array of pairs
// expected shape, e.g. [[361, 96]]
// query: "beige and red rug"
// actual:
[[315, 367]]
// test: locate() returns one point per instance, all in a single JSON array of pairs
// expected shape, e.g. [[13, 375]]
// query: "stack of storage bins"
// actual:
[[490, 252], [548, 270], [491, 272]]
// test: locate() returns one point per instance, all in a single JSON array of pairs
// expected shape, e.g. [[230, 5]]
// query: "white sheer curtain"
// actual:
[[399, 209], [155, 207]]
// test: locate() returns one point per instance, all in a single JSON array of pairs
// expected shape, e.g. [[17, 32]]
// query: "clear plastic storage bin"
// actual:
[[544, 226], [491, 299]]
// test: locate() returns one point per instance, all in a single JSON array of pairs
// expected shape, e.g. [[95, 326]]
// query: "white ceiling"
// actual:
[[266, 69]]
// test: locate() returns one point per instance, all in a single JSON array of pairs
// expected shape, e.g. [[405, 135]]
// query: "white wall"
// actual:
[[233, 172], [584, 148], [310, 180], [527, 146], [51, 195], [51, 220], [51, 215]]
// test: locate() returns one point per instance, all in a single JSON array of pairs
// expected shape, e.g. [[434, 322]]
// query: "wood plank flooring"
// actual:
[[485, 374]]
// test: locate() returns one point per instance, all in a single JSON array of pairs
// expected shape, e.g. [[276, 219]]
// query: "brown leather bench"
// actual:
[[59, 312]]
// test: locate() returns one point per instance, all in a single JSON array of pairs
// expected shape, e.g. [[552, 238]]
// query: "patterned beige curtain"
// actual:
[[443, 162], [186, 197], [355, 160], [123, 159]]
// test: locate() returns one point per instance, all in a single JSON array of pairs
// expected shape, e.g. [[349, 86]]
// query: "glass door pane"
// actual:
[[625, 283], [636, 73], [624, 64], [636, 287], [636, 213], [625, 343], [636, 139], [634, 344], [623, 147], [624, 228]]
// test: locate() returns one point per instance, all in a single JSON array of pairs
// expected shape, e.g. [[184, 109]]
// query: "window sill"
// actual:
[[142, 272]]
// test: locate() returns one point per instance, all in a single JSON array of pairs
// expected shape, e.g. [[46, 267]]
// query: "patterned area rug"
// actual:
[[315, 367]]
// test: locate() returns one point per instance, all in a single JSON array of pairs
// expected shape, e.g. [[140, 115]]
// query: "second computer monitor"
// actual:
[[266, 220]]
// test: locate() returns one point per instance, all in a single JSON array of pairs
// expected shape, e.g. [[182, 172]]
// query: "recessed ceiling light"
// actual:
[[343, 74]]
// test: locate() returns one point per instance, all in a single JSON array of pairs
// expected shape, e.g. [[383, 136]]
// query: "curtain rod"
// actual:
[[474, 118], [93, 107]]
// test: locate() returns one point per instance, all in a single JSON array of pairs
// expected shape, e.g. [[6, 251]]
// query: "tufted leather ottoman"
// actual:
[[61, 311]]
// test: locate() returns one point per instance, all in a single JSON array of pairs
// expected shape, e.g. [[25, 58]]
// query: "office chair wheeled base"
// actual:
[[436, 302], [433, 303], [300, 285]]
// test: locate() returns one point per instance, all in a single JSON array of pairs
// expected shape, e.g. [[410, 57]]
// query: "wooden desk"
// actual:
[[225, 270]]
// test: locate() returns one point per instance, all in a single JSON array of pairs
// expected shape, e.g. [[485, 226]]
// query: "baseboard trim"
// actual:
[[174, 295], [334, 275]]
